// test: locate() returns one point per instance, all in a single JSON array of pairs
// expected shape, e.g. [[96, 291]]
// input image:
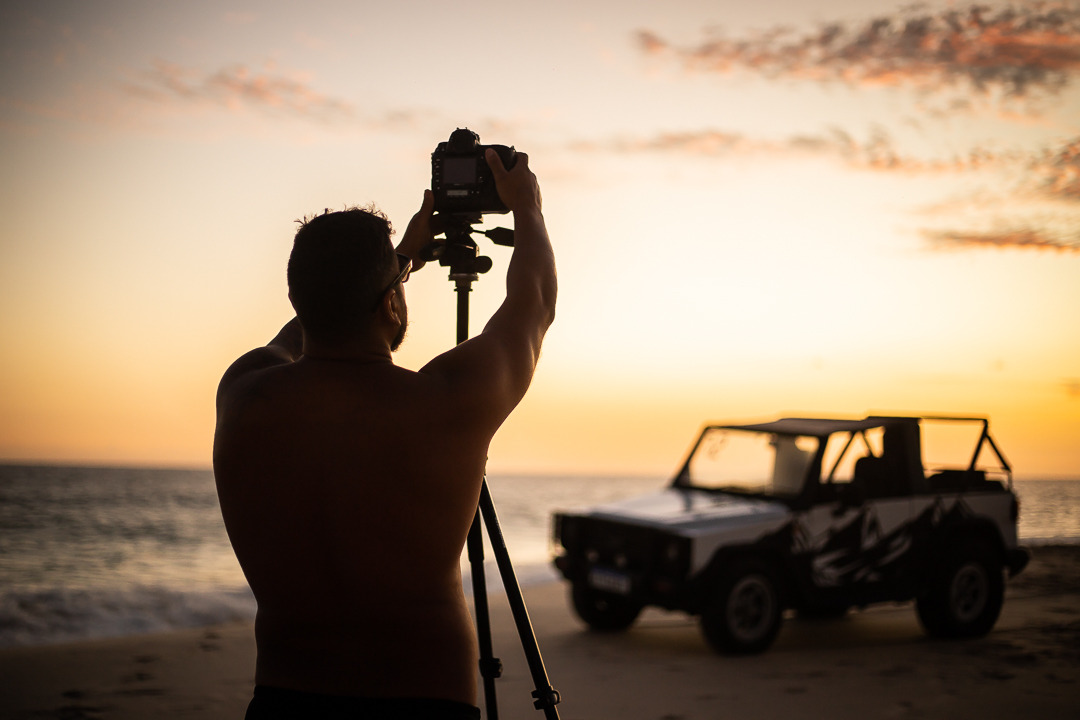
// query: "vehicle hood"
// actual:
[[686, 509]]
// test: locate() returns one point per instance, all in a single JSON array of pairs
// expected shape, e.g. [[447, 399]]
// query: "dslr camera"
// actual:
[[460, 177]]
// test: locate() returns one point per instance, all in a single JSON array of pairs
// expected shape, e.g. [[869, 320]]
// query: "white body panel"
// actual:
[[847, 543]]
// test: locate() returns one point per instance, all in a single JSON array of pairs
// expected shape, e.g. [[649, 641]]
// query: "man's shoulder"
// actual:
[[251, 368]]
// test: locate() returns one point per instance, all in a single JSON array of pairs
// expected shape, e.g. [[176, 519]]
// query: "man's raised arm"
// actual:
[[496, 367]]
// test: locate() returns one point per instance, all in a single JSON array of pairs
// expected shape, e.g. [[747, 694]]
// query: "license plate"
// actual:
[[609, 581]]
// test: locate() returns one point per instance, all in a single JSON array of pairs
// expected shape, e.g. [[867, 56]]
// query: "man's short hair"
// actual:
[[339, 264]]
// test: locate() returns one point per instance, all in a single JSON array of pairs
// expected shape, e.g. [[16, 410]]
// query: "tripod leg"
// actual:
[[490, 666], [546, 696]]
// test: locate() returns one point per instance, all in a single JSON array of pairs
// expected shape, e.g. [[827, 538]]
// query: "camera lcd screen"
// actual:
[[459, 171]]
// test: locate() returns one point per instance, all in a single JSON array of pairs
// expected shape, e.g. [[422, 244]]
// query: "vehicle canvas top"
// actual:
[[821, 427]]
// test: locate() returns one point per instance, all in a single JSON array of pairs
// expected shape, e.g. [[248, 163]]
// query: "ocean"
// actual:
[[89, 552]]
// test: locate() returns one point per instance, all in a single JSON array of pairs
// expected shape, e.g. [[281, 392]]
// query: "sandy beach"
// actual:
[[872, 664]]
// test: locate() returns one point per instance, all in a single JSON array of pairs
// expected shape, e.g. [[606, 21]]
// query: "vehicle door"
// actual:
[[855, 533]]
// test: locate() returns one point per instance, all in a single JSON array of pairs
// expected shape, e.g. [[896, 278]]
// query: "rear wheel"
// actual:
[[603, 611], [742, 615], [965, 596]]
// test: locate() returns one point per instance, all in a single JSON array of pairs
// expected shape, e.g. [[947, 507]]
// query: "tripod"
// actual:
[[461, 254]]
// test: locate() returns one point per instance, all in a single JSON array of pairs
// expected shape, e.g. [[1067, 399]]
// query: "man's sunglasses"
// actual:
[[405, 263]]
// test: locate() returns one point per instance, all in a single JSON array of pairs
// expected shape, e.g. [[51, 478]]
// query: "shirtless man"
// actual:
[[348, 484]]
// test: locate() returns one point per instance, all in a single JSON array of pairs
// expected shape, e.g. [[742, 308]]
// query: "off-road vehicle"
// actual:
[[812, 515]]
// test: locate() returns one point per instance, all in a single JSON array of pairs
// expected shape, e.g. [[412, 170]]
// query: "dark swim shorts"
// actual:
[[271, 703]]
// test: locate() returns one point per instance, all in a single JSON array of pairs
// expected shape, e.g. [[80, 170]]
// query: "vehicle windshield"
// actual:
[[752, 463]]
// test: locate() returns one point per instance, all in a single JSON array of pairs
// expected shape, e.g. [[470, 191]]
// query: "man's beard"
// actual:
[[400, 337]]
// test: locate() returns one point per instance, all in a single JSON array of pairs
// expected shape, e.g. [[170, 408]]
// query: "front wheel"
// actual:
[[965, 596], [743, 612], [603, 611]]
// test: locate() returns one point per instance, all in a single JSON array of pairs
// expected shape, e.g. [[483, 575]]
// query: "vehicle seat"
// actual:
[[872, 476]]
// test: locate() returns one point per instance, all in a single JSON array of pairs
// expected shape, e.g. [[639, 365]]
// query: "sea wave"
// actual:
[[59, 615], [38, 617], [100, 552]]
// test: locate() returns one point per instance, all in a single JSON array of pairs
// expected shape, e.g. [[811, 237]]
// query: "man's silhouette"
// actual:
[[348, 484]]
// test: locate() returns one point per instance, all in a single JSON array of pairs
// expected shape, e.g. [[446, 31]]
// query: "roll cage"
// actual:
[[903, 449]]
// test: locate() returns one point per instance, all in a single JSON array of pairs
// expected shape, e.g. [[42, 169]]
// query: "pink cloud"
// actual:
[[703, 142], [1026, 238], [875, 153], [1019, 50], [238, 86], [1048, 175], [1059, 172]]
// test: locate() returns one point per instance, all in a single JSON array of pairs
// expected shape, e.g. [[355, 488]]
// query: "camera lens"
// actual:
[[463, 140]]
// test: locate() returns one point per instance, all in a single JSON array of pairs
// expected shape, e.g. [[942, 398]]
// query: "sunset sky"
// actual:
[[758, 209]]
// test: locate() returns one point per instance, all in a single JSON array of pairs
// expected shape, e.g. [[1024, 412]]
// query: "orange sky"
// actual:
[[787, 208]]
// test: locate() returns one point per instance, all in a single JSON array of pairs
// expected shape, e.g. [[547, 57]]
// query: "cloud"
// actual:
[[703, 142], [1019, 50], [1027, 238], [1049, 176], [957, 59], [237, 86], [877, 152], [1059, 172]]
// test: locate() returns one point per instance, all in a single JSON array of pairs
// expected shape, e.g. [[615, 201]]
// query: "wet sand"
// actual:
[[871, 664]]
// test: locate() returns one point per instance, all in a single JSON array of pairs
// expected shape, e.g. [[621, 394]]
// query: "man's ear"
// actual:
[[387, 307]]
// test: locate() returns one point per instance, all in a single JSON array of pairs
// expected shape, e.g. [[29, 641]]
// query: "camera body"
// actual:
[[460, 177]]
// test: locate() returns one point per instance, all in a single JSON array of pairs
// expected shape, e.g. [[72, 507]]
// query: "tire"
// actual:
[[965, 596], [743, 612], [604, 611]]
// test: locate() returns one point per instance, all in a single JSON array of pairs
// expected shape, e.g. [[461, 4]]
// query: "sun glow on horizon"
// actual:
[[742, 231]]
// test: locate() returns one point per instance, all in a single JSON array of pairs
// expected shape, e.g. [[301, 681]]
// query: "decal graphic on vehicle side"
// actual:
[[860, 550]]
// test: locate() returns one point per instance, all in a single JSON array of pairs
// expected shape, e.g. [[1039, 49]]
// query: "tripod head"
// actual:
[[460, 252]]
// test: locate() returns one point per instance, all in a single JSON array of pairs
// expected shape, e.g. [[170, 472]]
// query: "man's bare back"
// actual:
[[348, 484], [349, 534]]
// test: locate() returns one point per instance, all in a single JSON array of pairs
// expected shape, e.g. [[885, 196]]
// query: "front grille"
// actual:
[[640, 552]]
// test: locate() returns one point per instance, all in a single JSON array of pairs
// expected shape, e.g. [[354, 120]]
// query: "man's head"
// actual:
[[339, 269]]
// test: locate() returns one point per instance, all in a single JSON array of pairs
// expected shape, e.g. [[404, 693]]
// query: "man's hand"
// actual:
[[420, 231], [518, 188]]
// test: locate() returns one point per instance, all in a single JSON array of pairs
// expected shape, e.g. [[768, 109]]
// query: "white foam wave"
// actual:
[[49, 616], [37, 617]]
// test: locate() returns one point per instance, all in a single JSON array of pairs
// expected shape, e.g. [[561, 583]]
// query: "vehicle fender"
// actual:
[[951, 535], [724, 558]]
